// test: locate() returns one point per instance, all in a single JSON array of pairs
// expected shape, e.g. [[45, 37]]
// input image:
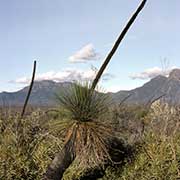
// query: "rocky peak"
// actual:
[[175, 74]]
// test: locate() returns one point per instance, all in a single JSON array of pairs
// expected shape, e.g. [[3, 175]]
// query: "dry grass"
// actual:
[[26, 151], [26, 147], [158, 155]]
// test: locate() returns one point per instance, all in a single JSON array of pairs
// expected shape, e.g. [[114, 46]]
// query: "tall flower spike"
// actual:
[[117, 43], [30, 89]]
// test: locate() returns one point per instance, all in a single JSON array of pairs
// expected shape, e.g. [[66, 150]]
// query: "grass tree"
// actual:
[[85, 136]]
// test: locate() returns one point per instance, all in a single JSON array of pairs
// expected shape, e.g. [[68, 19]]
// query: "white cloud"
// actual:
[[151, 73], [86, 53], [67, 75]]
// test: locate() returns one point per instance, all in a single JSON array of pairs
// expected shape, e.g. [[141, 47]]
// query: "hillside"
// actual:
[[43, 93], [160, 85]]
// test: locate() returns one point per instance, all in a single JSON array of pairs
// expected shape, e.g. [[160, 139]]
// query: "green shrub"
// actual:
[[26, 146], [158, 157]]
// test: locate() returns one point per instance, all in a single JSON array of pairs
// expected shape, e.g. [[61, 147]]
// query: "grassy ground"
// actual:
[[29, 145], [158, 154]]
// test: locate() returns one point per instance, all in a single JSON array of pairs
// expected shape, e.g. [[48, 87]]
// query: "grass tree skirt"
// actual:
[[119, 154]]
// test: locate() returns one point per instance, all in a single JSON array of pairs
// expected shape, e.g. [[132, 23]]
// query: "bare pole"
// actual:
[[30, 89], [117, 43]]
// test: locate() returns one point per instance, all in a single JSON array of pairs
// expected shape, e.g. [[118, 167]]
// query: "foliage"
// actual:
[[83, 103], [25, 146], [158, 155], [85, 126]]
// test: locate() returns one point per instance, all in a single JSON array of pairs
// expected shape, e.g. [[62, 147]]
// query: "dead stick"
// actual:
[[117, 43], [30, 89]]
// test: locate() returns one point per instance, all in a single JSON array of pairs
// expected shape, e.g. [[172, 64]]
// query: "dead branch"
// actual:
[[30, 89], [117, 43]]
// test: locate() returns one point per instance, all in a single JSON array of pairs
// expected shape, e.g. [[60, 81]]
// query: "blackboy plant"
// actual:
[[85, 135]]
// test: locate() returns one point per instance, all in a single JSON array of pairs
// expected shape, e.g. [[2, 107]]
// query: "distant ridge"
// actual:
[[169, 86], [43, 93]]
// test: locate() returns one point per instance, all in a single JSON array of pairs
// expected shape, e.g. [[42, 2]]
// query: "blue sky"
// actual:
[[68, 37]]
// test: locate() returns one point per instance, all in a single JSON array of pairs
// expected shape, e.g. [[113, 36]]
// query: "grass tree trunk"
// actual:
[[60, 163]]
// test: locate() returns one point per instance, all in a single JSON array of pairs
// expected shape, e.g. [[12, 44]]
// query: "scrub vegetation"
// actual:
[[88, 137]]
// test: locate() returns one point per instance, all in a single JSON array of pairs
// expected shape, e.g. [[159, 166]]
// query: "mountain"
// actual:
[[43, 93], [169, 87]]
